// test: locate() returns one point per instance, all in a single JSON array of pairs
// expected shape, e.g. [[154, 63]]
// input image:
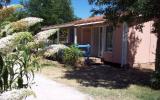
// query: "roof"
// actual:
[[70, 24], [90, 20], [87, 21]]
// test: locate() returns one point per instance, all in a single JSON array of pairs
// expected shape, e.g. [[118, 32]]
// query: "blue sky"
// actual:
[[81, 7]]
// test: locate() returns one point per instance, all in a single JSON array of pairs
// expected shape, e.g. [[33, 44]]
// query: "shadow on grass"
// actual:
[[110, 77]]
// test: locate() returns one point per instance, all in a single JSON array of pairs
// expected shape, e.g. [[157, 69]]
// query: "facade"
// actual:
[[123, 44]]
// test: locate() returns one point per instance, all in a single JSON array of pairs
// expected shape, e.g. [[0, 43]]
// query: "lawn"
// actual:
[[104, 82]]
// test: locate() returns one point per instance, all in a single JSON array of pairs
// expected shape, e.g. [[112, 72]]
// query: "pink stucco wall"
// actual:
[[115, 55], [141, 45]]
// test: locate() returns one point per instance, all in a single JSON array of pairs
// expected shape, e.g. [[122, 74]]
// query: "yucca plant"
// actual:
[[17, 62], [18, 66]]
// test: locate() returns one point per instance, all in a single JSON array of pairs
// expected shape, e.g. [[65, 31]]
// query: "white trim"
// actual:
[[102, 36], [100, 41], [124, 44], [103, 39], [58, 37], [75, 35], [67, 39], [99, 47], [89, 23]]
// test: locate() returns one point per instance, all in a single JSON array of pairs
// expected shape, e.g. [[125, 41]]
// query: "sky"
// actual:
[[81, 7]]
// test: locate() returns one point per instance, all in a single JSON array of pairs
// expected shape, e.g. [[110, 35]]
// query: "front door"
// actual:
[[96, 42]]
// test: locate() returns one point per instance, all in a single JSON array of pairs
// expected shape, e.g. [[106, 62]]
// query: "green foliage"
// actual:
[[6, 14], [52, 11], [71, 55], [35, 29], [155, 81], [4, 3], [18, 66], [118, 11]]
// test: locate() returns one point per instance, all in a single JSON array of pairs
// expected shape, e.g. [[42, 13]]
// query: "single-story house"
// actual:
[[123, 44]]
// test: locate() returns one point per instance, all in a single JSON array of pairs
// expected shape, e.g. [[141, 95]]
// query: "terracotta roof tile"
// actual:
[[73, 23], [89, 20]]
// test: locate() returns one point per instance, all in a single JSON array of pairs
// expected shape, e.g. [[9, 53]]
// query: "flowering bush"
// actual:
[[20, 25], [44, 35], [8, 43], [53, 51]]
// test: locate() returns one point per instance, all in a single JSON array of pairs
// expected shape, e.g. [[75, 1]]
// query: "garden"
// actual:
[[27, 51], [103, 82]]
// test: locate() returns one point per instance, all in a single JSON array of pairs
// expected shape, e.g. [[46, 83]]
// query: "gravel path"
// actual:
[[46, 89]]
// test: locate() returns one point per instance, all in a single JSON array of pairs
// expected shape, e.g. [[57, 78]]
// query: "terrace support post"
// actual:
[[58, 36], [124, 44], [75, 35]]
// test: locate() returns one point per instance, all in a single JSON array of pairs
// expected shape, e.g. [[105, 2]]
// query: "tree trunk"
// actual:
[[157, 62]]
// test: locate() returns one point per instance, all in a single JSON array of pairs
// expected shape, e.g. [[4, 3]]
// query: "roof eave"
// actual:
[[90, 23]]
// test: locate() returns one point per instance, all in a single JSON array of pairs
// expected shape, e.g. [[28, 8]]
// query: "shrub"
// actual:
[[155, 81], [55, 52], [71, 55]]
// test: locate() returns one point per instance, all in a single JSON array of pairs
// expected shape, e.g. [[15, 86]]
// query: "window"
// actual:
[[109, 38]]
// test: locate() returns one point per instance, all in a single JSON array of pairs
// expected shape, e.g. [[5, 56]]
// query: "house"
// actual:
[[123, 44]]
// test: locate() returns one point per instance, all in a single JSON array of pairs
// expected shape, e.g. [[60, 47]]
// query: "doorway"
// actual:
[[97, 42]]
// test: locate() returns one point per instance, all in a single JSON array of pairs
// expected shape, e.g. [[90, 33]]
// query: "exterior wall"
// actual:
[[115, 55], [79, 33], [71, 35], [141, 45], [85, 35]]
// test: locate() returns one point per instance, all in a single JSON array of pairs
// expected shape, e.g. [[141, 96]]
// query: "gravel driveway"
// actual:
[[46, 89]]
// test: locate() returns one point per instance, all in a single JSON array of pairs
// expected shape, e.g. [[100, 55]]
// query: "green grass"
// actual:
[[131, 92], [47, 63]]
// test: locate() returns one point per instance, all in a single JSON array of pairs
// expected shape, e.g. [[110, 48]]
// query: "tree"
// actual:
[[127, 10], [52, 11], [4, 3]]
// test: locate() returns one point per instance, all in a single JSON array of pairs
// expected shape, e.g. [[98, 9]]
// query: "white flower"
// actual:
[[21, 24], [8, 43], [30, 21], [53, 49], [17, 94], [44, 35]]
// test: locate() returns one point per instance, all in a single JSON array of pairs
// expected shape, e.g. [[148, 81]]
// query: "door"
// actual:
[[95, 42]]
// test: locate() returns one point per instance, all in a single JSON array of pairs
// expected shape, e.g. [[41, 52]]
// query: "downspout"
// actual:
[[124, 44]]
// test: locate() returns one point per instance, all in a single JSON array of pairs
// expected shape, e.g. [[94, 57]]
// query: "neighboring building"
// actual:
[[123, 45]]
